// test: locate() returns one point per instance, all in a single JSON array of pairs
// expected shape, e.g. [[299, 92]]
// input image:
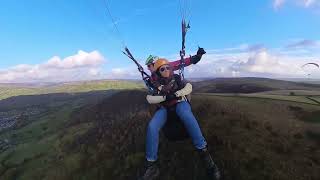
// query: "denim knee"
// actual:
[[183, 107], [151, 128]]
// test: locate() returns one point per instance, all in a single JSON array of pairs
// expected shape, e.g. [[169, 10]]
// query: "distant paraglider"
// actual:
[[315, 64], [309, 68]]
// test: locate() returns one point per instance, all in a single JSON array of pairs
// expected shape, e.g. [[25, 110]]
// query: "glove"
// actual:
[[196, 58], [170, 97], [156, 84], [200, 51]]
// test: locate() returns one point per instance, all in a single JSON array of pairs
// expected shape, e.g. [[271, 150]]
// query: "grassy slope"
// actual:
[[301, 98], [37, 145], [249, 85], [296, 92], [16, 90], [316, 98], [252, 139], [50, 149]]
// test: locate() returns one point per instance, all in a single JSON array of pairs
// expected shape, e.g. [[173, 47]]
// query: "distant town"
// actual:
[[8, 119]]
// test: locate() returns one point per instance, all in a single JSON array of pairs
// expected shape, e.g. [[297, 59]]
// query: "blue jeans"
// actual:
[[183, 110]]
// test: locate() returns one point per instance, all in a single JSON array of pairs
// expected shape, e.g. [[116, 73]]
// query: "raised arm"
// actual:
[[189, 60]]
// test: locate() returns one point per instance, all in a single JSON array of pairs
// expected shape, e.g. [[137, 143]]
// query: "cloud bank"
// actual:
[[239, 61], [83, 65], [277, 4]]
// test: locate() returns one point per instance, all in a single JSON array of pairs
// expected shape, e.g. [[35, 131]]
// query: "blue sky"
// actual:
[[34, 31]]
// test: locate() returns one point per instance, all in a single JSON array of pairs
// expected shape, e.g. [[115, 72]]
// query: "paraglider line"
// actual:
[[114, 23]]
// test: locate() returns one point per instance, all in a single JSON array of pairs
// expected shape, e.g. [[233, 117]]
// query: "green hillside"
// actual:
[[103, 138], [250, 85], [7, 90]]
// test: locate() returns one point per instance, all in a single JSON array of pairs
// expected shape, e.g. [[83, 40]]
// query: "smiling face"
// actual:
[[151, 67], [165, 70]]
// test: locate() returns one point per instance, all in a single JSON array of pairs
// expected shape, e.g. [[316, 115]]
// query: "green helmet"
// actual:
[[151, 59]]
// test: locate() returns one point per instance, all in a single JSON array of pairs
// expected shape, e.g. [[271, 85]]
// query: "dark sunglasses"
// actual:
[[165, 68], [149, 65]]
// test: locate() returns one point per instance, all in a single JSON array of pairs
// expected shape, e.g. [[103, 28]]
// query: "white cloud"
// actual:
[[240, 48], [82, 65], [119, 72], [262, 62], [273, 63], [309, 3], [124, 73], [241, 60], [278, 3], [94, 71], [302, 3], [304, 43], [81, 59], [21, 68]]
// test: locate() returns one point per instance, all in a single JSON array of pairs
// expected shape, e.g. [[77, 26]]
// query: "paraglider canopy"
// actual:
[[314, 64], [309, 68]]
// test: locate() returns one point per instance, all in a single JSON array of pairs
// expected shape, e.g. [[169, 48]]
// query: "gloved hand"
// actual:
[[196, 58], [200, 51], [156, 84], [170, 97]]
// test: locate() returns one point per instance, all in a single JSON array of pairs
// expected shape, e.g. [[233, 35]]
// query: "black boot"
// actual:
[[151, 171], [212, 169]]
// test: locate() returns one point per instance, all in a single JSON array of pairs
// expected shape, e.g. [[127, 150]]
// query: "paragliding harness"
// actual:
[[145, 77], [174, 129]]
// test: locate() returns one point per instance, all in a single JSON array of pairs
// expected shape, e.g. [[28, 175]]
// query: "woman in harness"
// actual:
[[173, 94], [175, 65]]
